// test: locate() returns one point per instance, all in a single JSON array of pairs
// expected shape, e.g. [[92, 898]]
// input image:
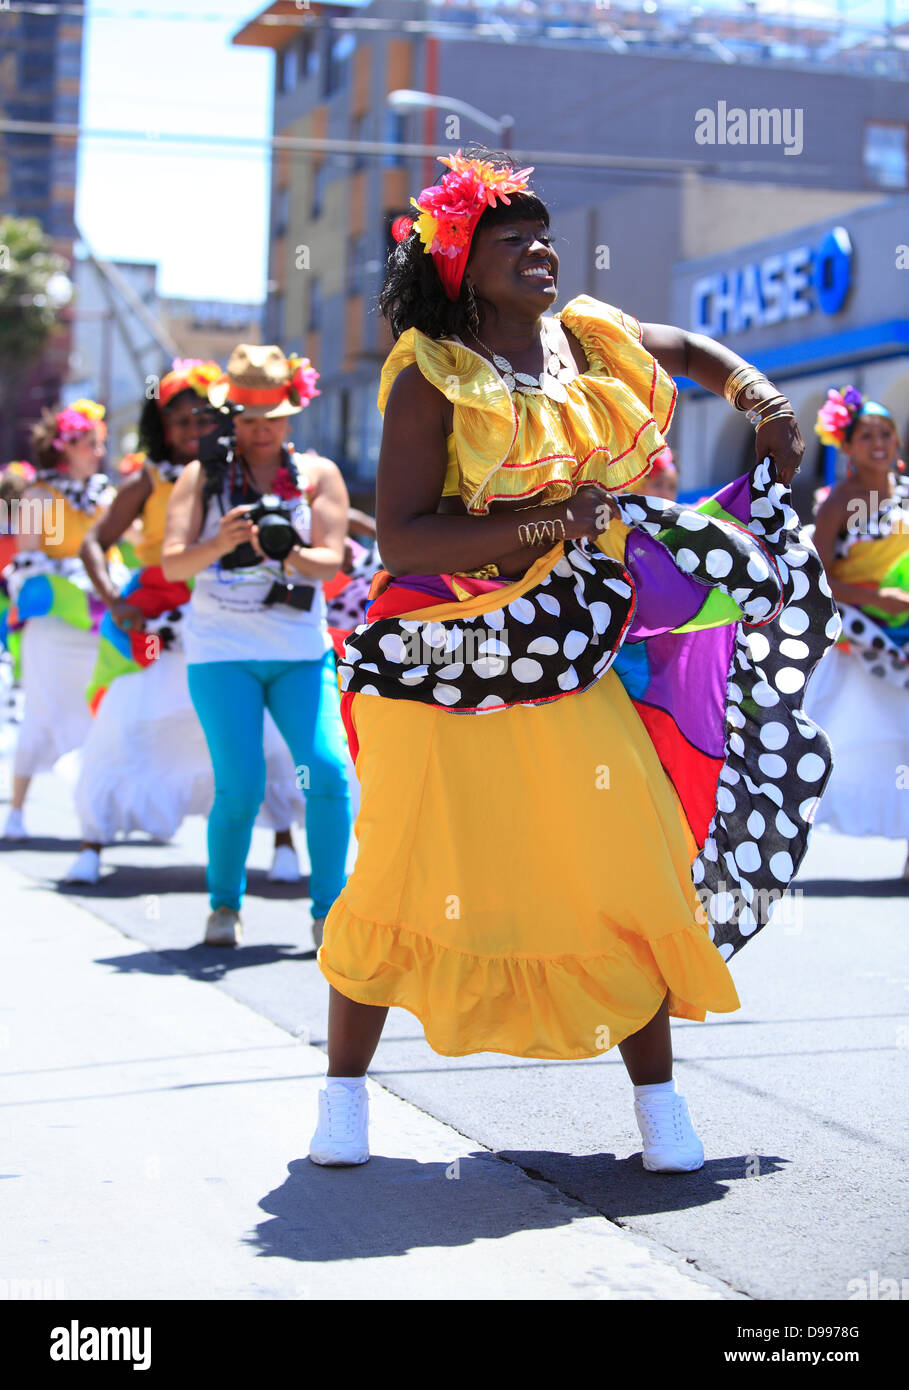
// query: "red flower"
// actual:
[[284, 485]]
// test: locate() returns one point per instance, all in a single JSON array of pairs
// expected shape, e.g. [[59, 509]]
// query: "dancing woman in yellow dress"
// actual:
[[549, 863], [860, 691]]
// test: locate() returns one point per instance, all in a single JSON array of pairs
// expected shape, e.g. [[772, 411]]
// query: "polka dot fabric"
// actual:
[[875, 647], [554, 640], [560, 636], [777, 761]]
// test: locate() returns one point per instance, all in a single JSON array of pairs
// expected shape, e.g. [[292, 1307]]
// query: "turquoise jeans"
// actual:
[[230, 698]]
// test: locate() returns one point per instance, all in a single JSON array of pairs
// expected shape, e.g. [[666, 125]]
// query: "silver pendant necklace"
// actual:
[[558, 368]]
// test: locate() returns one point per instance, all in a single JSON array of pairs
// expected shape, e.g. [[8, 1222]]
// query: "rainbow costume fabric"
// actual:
[[41, 587], [712, 617], [120, 652]]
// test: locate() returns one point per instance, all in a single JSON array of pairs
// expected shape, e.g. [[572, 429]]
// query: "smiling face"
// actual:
[[83, 457], [514, 266], [184, 421], [874, 444]]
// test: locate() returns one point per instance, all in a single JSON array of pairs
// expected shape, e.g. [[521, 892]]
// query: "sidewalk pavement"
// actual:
[[156, 1140]]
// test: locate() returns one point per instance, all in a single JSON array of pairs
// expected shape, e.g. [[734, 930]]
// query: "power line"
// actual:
[[380, 149]]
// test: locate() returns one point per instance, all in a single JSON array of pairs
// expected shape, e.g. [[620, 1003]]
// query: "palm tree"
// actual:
[[33, 287]]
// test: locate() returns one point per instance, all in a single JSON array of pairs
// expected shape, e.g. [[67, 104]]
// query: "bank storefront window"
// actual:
[[886, 154]]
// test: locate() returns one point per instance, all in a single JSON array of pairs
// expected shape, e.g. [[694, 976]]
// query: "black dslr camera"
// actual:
[[277, 535]]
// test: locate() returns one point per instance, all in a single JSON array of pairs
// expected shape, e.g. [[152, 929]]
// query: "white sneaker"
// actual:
[[284, 867], [342, 1134], [223, 928], [85, 868], [318, 927], [670, 1143], [15, 827]]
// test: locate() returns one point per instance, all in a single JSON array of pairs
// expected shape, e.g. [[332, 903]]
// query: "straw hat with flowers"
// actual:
[[264, 383]]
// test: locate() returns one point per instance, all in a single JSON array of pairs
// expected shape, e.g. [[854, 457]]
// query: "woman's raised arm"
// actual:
[[709, 363]]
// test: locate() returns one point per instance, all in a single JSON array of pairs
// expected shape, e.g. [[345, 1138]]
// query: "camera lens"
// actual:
[[276, 536]]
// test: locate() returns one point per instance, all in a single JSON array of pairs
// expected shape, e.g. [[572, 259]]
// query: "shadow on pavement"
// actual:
[[853, 887], [134, 880], [391, 1205], [202, 962], [621, 1187], [46, 844]]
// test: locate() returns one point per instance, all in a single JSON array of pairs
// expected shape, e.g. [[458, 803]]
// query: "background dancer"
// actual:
[[860, 692], [51, 593], [256, 634]]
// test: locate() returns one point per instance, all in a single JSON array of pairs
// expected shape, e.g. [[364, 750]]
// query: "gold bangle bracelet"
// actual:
[[767, 407], [541, 532], [739, 381], [767, 404], [779, 415]]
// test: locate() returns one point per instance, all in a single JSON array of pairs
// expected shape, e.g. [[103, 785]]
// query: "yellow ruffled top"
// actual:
[[506, 447], [154, 515], [73, 529]]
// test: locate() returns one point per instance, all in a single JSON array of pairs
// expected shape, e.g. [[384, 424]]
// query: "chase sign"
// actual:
[[787, 285]]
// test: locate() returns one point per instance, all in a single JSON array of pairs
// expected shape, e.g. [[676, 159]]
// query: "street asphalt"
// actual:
[[801, 1097]]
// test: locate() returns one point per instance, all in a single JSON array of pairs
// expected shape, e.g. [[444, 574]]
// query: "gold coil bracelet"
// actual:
[[541, 532]]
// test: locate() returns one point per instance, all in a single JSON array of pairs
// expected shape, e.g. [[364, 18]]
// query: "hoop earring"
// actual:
[[473, 317]]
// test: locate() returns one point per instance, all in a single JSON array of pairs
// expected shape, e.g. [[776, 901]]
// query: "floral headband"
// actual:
[[77, 419], [450, 210], [303, 377], [838, 414], [188, 373], [19, 468]]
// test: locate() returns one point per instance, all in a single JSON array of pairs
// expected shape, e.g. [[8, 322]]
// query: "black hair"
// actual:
[[151, 426], [412, 295]]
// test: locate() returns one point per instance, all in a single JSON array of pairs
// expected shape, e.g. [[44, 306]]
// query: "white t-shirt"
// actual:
[[228, 619]]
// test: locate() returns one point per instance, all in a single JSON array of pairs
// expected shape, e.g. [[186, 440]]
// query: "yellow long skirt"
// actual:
[[523, 879]]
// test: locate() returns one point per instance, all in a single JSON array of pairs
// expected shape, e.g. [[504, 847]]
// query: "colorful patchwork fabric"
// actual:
[[40, 587], [877, 555], [714, 618], [120, 653]]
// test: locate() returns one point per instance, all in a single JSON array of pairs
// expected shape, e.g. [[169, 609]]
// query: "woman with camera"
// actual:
[[261, 528], [145, 764]]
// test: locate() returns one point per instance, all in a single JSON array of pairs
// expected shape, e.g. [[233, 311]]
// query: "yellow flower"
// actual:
[[90, 409]]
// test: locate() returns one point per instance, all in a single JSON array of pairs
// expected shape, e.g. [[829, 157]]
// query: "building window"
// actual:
[[319, 182], [356, 264], [395, 134], [315, 306], [358, 133], [309, 55], [282, 211], [887, 154], [337, 65], [288, 68]]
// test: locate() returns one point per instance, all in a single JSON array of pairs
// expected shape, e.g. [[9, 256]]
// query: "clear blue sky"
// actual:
[[201, 214]]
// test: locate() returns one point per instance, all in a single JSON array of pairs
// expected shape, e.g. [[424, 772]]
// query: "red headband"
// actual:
[[450, 210]]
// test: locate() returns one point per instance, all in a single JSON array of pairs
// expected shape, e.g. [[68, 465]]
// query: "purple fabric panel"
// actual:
[[96, 610], [432, 584], [667, 598], [735, 499], [688, 680]]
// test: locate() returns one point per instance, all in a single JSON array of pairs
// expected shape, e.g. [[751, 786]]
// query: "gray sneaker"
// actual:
[[223, 928], [318, 927]]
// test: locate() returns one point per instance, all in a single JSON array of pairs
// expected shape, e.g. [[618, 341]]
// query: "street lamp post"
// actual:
[[404, 99]]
